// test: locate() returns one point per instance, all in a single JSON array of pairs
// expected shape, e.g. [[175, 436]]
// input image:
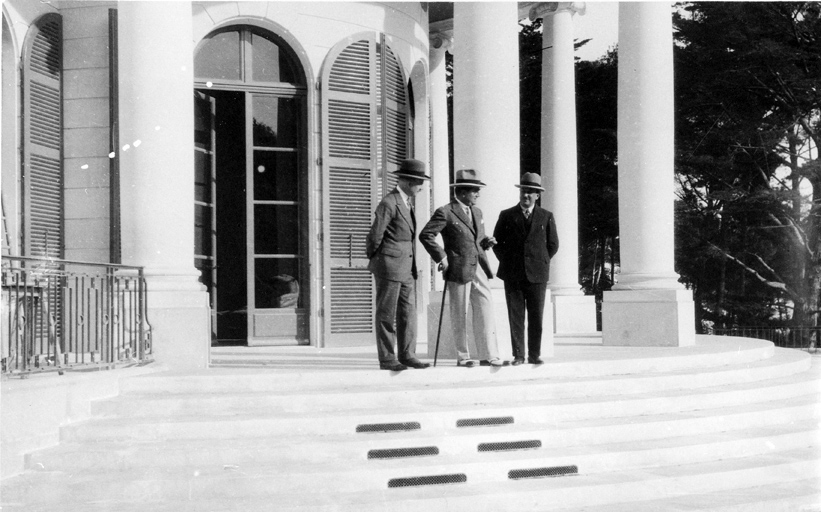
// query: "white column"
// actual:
[[573, 312], [440, 166], [648, 306], [157, 174], [486, 124]]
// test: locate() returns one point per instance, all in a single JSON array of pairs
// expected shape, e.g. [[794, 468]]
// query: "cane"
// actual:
[[441, 312]]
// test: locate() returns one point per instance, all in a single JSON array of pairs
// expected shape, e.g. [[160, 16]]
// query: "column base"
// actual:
[[574, 314], [648, 318], [180, 320]]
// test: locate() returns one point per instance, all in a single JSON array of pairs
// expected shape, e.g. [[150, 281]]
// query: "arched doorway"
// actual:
[[251, 187]]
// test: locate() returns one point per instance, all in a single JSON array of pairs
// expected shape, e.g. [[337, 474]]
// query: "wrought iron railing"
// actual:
[[805, 338], [59, 315]]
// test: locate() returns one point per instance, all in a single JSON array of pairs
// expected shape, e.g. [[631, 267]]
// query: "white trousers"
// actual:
[[474, 295]]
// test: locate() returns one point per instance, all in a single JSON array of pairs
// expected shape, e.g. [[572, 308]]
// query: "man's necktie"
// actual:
[[527, 214]]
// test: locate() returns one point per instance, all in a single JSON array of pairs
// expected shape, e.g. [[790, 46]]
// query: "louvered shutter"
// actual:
[[349, 166], [43, 140], [394, 116]]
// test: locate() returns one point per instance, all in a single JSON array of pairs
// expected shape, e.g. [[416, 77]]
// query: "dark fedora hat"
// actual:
[[411, 168], [531, 180], [466, 178]]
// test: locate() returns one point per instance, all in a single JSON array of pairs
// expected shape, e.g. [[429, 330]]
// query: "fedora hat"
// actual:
[[411, 168], [531, 180], [466, 178]]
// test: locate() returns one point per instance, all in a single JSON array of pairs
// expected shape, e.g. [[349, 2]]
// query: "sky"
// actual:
[[600, 23]]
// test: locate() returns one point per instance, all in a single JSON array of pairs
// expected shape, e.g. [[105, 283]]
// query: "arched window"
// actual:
[[365, 138], [43, 139], [246, 54], [251, 189]]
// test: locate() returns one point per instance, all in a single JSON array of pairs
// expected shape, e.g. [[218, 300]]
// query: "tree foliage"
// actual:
[[748, 103]]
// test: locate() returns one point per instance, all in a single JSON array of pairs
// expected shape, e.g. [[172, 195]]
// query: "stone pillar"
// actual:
[[486, 129], [157, 174], [648, 306], [440, 43], [574, 313]]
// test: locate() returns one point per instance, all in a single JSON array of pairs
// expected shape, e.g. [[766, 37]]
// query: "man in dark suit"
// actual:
[[466, 268], [392, 252], [526, 240]]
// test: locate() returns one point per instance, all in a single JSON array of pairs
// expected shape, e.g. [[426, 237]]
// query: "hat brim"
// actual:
[[412, 176], [478, 184], [532, 187]]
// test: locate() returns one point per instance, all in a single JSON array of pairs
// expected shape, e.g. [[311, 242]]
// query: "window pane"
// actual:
[[277, 283], [276, 229], [219, 57], [275, 176], [275, 122], [202, 230], [202, 177], [270, 64]]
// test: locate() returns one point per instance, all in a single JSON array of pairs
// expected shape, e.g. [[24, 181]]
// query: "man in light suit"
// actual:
[[392, 252], [466, 269], [526, 240]]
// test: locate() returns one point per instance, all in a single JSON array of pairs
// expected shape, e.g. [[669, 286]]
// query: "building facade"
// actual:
[[236, 150]]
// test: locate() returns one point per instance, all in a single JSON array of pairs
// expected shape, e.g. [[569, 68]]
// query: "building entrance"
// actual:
[[251, 191]]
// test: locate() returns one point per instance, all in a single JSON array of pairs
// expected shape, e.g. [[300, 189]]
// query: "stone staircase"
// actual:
[[729, 425]]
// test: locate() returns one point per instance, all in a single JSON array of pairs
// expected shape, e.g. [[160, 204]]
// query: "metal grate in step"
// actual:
[[397, 453], [509, 446], [415, 481], [485, 422], [388, 427], [518, 474]]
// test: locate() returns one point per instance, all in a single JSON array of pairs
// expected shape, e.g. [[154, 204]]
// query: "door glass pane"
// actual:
[[275, 176], [202, 230], [202, 177], [275, 122], [219, 57], [277, 283], [276, 229], [270, 64]]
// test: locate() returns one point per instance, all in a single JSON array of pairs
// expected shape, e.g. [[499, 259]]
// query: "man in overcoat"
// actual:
[[465, 268], [391, 249], [526, 240]]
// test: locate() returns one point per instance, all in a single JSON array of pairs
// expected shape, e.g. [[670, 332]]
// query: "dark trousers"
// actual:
[[395, 320], [520, 297]]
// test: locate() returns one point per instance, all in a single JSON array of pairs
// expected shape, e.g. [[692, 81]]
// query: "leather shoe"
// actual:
[[394, 366], [534, 360], [414, 363], [467, 363], [494, 362], [517, 361]]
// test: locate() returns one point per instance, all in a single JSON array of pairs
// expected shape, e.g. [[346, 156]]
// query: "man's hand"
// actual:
[[443, 265], [488, 242]]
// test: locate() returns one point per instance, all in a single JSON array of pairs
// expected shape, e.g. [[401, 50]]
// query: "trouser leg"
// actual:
[[387, 297], [458, 294], [515, 300], [535, 317], [484, 324], [406, 321]]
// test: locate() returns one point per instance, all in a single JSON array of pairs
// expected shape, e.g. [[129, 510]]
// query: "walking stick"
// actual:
[[441, 312]]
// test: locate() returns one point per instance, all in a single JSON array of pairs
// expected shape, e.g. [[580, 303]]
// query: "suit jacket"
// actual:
[[462, 241], [390, 245], [524, 255]]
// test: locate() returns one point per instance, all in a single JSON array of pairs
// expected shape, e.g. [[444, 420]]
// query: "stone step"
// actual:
[[362, 474], [783, 364], [212, 491], [296, 446], [437, 418], [572, 362], [793, 496]]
